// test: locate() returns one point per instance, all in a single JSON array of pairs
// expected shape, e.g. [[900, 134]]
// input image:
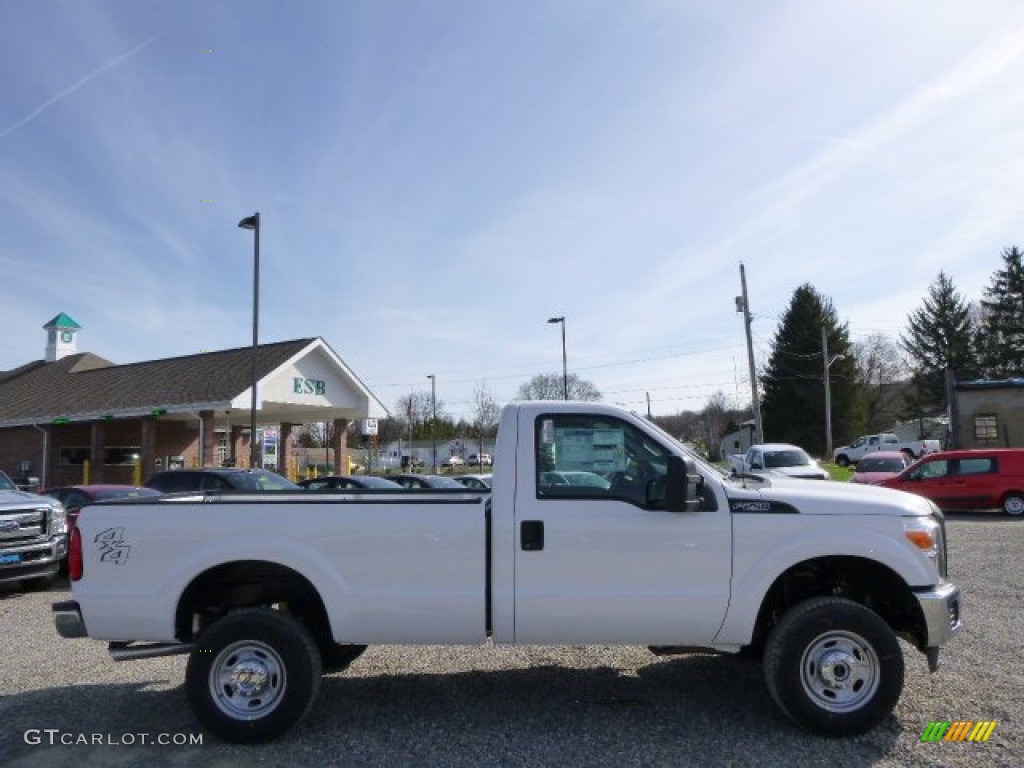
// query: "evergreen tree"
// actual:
[[1000, 340], [793, 408], [938, 338]]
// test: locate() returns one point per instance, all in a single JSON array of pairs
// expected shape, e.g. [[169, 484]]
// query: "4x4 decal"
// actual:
[[112, 547]]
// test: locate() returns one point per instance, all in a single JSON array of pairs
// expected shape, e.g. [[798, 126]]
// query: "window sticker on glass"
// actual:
[[547, 431], [593, 450]]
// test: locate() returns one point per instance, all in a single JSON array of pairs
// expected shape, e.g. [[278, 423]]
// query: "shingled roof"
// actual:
[[86, 386]]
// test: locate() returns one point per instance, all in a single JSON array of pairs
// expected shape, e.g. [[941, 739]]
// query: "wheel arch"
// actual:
[[862, 580], [237, 584]]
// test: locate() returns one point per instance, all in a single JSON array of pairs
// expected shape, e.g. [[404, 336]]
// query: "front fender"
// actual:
[[766, 546]]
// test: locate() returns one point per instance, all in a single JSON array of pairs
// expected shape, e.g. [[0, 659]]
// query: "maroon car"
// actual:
[[74, 497]]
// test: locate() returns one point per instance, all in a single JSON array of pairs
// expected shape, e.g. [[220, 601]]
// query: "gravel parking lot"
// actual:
[[537, 706]]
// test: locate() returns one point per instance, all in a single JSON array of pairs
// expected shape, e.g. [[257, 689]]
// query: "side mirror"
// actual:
[[682, 485]]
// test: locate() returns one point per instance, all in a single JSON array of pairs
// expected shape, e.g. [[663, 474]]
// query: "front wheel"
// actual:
[[834, 666], [1013, 504], [253, 675]]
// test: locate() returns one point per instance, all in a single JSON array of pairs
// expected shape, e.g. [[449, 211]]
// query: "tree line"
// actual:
[[948, 339], [873, 383]]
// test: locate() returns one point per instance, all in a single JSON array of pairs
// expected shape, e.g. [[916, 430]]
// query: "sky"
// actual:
[[437, 178]]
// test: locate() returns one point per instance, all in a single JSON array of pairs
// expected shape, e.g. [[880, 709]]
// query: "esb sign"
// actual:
[[301, 386]]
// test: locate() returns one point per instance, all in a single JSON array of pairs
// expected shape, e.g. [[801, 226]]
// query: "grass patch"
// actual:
[[842, 474]]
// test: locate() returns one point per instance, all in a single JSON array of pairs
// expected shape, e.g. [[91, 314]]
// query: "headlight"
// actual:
[[925, 533], [58, 520]]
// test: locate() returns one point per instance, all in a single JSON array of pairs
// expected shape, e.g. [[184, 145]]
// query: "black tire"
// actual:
[[843, 460], [834, 666], [336, 658], [254, 674], [1013, 504]]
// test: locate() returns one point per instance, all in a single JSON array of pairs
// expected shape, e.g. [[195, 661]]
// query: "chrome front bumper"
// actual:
[[940, 608]]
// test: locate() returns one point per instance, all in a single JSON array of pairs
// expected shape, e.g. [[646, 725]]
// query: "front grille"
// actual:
[[21, 526]]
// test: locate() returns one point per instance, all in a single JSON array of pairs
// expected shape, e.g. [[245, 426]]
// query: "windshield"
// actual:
[[6, 484], [123, 493], [689, 453], [787, 458], [880, 465], [437, 481], [263, 480], [377, 482]]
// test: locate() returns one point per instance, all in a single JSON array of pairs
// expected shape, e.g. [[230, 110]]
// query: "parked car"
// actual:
[[74, 497], [976, 479], [33, 536], [879, 466], [341, 482], [219, 479], [845, 455], [428, 481], [453, 461], [779, 460], [482, 460], [475, 482]]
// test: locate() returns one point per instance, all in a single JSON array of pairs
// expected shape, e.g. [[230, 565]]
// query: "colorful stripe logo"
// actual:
[[958, 730]]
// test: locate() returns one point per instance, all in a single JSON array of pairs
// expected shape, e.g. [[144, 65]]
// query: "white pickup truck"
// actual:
[[845, 455], [267, 591]]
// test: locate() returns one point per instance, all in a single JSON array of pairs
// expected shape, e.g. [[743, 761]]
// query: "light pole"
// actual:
[[565, 369], [433, 421], [253, 223]]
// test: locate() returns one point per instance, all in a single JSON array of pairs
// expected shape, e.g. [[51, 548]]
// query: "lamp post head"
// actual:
[[556, 319], [250, 222]]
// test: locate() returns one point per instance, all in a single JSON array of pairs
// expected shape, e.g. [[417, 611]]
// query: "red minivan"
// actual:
[[976, 479]]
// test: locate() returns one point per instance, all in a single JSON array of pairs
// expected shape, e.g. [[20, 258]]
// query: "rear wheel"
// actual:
[[253, 675], [834, 666], [1013, 504], [843, 460]]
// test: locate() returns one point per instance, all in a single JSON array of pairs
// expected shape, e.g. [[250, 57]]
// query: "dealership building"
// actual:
[[74, 413]]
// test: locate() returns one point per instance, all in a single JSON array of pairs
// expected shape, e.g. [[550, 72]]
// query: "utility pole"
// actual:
[[743, 305], [828, 395]]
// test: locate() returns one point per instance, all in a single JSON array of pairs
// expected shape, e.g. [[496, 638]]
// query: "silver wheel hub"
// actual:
[[247, 680], [836, 668], [840, 671]]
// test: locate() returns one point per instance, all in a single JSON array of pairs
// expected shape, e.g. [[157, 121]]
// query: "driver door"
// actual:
[[598, 559]]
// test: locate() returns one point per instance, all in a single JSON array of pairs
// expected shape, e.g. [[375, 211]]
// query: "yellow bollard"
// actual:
[[137, 472], [85, 472]]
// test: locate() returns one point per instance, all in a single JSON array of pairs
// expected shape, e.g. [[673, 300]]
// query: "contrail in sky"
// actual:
[[75, 86]]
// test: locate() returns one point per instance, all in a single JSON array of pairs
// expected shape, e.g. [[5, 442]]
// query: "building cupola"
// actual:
[[60, 337]]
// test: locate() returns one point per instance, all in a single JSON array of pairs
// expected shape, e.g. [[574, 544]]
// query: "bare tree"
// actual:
[[485, 410], [416, 410], [882, 371], [548, 386]]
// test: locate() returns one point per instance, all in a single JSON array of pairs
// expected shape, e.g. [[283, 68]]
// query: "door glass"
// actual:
[[932, 469], [591, 456]]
